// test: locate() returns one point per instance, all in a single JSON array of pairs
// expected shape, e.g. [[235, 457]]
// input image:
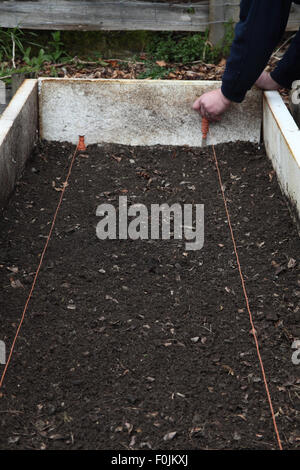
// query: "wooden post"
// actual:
[[216, 20], [18, 79], [5, 96], [16, 82]]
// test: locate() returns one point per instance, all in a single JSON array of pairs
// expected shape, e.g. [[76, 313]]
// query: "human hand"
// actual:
[[212, 105]]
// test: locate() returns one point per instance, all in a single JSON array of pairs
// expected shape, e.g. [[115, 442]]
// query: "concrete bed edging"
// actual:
[[18, 134], [282, 142], [139, 112]]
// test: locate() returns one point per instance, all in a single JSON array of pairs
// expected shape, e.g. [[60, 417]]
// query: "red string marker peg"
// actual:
[[204, 130], [81, 144]]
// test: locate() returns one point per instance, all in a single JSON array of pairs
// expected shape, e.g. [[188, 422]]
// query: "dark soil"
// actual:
[[125, 342]]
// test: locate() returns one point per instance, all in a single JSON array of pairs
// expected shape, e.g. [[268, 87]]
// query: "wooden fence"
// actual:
[[125, 15]]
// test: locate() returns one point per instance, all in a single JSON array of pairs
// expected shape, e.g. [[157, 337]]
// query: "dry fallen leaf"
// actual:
[[161, 63], [292, 263], [13, 269], [112, 62], [57, 437], [65, 184], [170, 436], [271, 175], [228, 368], [129, 427], [222, 62], [15, 283], [242, 417], [109, 297], [118, 159]]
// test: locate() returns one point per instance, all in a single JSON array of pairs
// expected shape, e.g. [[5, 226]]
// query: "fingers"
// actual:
[[209, 116], [211, 105], [200, 106]]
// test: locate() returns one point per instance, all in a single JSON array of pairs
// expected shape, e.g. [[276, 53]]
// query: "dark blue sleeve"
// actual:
[[261, 26], [288, 69]]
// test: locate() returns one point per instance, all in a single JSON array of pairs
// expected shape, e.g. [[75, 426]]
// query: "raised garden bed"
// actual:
[[143, 344], [128, 341]]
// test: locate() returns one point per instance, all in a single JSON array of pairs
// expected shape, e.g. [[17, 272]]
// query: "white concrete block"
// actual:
[[18, 132], [282, 141], [139, 112]]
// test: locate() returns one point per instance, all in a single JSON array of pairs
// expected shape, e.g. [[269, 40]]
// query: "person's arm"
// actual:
[[288, 69], [262, 24]]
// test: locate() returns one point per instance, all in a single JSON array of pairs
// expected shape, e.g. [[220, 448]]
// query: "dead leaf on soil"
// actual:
[[118, 159], [222, 62], [161, 63], [243, 417], [271, 175], [129, 427], [170, 436], [13, 439], [228, 368], [13, 269], [57, 437], [15, 283], [65, 184], [109, 297], [292, 263]]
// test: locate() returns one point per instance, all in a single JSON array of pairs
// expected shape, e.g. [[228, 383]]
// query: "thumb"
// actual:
[[197, 104]]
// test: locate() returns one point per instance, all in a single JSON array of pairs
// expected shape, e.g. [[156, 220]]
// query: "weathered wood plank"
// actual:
[[294, 22], [103, 15], [124, 15], [217, 20]]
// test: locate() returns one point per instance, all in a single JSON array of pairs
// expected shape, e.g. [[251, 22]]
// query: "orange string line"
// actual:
[[65, 184], [247, 302]]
